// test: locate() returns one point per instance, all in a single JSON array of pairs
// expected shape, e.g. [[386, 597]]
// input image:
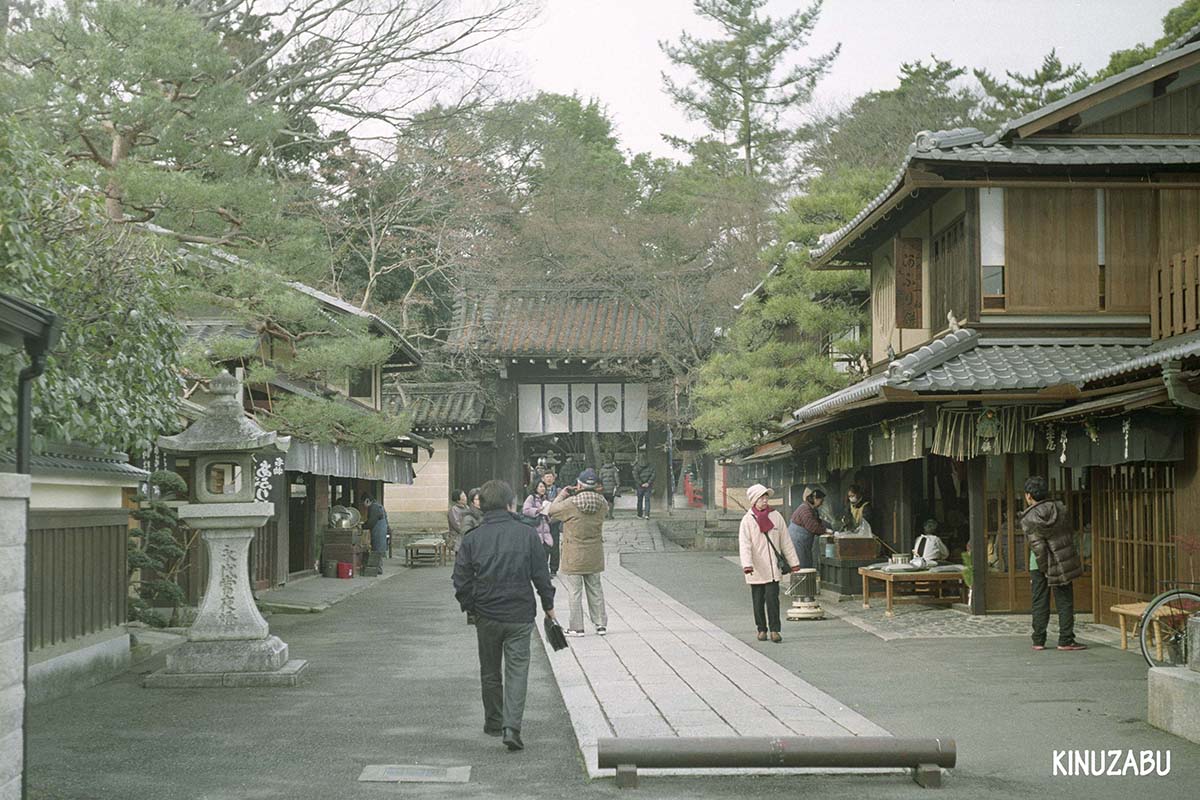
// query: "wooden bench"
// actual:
[[890, 579], [1135, 611], [425, 551]]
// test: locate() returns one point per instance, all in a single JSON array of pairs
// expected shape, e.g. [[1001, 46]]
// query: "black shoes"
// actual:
[[493, 731], [512, 739]]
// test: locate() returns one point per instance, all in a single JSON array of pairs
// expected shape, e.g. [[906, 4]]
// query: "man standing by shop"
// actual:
[[377, 524], [550, 480], [643, 478], [582, 510], [495, 573], [1053, 563]]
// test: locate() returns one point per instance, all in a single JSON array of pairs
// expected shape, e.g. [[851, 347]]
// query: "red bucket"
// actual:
[[345, 569]]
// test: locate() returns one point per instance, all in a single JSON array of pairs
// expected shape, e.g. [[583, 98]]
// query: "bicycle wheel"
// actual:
[[1163, 635]]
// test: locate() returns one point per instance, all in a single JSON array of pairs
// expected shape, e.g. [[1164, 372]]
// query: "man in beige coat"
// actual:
[[762, 535], [581, 509]]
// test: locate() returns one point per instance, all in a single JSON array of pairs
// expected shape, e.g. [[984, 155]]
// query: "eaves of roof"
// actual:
[[1165, 57], [962, 362], [1185, 345], [378, 322]]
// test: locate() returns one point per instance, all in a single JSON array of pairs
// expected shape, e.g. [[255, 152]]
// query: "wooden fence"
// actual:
[[76, 574], [1174, 295]]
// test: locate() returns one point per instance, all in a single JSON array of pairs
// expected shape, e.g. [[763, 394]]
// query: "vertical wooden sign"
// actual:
[[907, 258]]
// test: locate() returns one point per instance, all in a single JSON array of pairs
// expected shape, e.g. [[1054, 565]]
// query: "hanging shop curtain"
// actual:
[[963, 433], [886, 442], [1109, 441]]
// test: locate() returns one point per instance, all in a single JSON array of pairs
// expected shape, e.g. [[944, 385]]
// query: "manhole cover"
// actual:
[[413, 773]]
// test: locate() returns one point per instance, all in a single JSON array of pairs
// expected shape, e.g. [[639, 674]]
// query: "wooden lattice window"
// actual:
[[1134, 522]]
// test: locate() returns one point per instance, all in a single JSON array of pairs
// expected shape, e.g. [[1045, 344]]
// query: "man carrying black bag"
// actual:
[[495, 573]]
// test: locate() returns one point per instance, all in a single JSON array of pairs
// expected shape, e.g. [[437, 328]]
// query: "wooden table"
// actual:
[[425, 551], [890, 579], [1135, 611]]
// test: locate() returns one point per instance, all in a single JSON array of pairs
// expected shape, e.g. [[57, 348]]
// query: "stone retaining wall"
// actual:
[[14, 499]]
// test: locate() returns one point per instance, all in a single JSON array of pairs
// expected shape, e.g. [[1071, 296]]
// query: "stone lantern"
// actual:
[[229, 644]]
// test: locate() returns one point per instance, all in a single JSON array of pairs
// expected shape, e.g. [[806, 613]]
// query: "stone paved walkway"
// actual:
[[917, 621], [664, 670]]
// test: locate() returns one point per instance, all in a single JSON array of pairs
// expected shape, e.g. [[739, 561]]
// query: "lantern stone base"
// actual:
[[261, 655], [239, 662], [288, 675]]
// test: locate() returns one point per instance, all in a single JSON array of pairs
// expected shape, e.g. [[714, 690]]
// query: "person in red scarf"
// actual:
[[762, 539]]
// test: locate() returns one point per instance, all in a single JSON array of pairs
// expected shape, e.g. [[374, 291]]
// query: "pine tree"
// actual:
[[1021, 94], [740, 85]]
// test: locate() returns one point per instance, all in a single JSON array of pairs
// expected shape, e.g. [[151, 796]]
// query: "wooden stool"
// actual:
[[1135, 611]]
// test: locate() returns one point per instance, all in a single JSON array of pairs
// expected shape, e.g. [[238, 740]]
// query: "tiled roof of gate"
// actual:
[[570, 323], [964, 362], [437, 405]]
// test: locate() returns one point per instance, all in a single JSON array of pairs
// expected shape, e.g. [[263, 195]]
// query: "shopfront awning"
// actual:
[[1112, 404], [769, 452], [343, 461]]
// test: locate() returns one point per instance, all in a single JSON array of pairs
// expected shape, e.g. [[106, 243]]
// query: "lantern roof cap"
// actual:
[[224, 426]]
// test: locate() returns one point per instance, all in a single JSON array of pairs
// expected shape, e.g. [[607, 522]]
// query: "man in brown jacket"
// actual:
[[1053, 563], [581, 510]]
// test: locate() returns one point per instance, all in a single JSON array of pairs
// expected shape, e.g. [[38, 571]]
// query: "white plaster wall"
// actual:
[[61, 493], [14, 492], [429, 493]]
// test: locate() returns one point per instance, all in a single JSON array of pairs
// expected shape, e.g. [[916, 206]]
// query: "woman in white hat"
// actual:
[[762, 540]]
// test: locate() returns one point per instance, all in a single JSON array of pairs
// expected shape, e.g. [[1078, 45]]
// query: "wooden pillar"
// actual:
[[976, 474], [656, 441], [320, 513], [508, 437]]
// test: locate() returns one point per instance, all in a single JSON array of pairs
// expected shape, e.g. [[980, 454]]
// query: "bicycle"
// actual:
[[1163, 634]]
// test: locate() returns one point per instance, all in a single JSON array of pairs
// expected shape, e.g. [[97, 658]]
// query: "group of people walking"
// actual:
[[505, 558]]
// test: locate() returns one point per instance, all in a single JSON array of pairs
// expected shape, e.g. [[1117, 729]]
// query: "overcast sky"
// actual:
[[608, 49]]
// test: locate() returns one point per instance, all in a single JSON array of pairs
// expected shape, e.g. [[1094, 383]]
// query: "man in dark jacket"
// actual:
[[1053, 563], [643, 479], [493, 573], [377, 525], [610, 480]]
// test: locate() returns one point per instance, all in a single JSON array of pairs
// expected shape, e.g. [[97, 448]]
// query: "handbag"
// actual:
[[554, 634], [780, 561]]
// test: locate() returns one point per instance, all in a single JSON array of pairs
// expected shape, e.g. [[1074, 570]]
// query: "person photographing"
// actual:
[[582, 510]]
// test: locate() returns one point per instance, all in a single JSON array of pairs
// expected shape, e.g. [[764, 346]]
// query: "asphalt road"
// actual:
[[393, 680]]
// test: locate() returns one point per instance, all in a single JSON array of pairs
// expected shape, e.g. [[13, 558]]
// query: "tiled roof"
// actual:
[[77, 461], [585, 324], [1073, 152], [437, 405], [962, 361], [1166, 55], [1185, 345], [968, 145], [1001, 365]]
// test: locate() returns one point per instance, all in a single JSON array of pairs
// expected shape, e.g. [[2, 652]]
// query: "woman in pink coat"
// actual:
[[763, 533]]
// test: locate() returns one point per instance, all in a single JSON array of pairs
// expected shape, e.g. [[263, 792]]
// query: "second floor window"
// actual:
[[993, 287], [362, 384]]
